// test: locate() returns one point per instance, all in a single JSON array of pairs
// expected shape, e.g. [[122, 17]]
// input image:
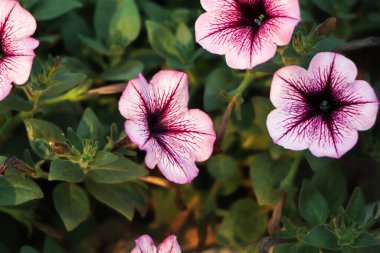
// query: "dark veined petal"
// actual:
[[359, 105], [169, 245], [289, 86], [214, 5], [144, 244], [331, 71], [17, 68]]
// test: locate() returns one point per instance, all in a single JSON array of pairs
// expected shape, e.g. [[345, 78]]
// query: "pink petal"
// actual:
[[5, 87], [281, 29], [144, 244], [17, 23], [212, 5], [138, 132], [17, 68], [290, 129], [332, 140], [284, 8], [169, 245], [362, 105], [133, 102], [288, 85], [169, 92], [332, 69]]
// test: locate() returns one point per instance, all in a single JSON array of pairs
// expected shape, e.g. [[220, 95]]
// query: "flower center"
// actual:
[[259, 21], [154, 124], [325, 106], [2, 53], [253, 14]]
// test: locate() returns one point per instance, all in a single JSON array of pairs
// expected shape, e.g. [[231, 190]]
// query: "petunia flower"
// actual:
[[321, 108], [246, 31], [159, 122], [145, 244], [16, 45]]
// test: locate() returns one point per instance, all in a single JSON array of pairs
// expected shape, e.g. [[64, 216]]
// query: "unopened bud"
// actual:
[[59, 147]]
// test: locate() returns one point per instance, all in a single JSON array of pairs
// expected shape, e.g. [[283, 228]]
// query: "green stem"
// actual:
[[288, 181], [244, 84], [10, 124]]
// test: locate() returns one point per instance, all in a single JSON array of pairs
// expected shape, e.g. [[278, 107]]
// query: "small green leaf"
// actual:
[[321, 237], [123, 72], [125, 24], [63, 81], [28, 249], [40, 133], [16, 189], [365, 240], [244, 223], [65, 171], [311, 204], [90, 127], [72, 204], [266, 176], [94, 45], [221, 167], [123, 198], [51, 245], [49, 9], [120, 170], [103, 158], [356, 206], [13, 102]]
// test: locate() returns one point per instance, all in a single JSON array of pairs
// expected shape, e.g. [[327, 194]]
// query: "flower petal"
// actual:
[[288, 87], [284, 8], [212, 5], [15, 23], [361, 105], [5, 87], [133, 103], [144, 244], [138, 132], [290, 129], [169, 92], [169, 245], [332, 69], [17, 68], [332, 139]]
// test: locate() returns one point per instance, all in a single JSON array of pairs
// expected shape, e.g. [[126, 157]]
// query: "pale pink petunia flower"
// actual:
[[145, 244], [159, 122], [246, 31], [16, 45], [321, 108]]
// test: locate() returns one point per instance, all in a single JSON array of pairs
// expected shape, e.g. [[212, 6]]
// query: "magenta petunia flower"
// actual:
[[321, 108], [16, 45], [145, 244], [246, 31], [158, 121]]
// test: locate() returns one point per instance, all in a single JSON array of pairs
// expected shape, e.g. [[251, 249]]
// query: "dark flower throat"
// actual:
[[252, 14]]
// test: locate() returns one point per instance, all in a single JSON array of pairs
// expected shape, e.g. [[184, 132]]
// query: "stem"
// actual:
[[288, 181], [244, 84]]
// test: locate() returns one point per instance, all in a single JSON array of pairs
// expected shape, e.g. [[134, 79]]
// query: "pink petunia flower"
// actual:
[[321, 108], [246, 31], [16, 45], [159, 122], [145, 244]]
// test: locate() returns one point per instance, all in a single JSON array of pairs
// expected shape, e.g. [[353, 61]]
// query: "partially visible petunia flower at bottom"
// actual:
[[159, 122], [321, 108], [145, 244]]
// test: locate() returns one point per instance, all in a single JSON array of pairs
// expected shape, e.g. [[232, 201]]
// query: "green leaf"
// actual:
[[266, 176], [72, 204], [40, 133], [165, 208], [123, 72], [16, 189], [120, 170], [321, 237], [65, 171], [331, 183], [311, 204], [63, 81], [221, 167], [125, 24], [356, 206], [123, 198], [13, 102], [244, 223], [49, 9], [104, 12], [90, 127], [365, 240], [219, 80], [94, 45], [294, 248], [51, 245], [28, 249], [162, 40], [103, 158]]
